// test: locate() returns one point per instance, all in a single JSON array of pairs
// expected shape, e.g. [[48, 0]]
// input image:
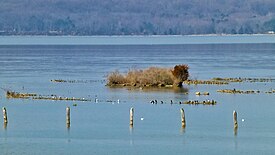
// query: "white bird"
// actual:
[[242, 120], [141, 118]]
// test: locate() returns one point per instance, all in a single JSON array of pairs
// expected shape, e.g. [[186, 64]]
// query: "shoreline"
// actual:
[[137, 39]]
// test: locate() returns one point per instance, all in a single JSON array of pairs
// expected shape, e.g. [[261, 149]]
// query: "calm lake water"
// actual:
[[39, 126]]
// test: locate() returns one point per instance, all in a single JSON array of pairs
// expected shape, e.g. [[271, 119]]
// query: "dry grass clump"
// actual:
[[153, 76], [116, 78]]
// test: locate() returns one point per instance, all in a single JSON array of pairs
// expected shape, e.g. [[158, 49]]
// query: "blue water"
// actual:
[[39, 127]]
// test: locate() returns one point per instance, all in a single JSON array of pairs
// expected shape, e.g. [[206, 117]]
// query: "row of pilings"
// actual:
[[131, 123]]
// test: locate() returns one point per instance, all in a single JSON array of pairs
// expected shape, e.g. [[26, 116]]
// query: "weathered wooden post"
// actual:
[[132, 117], [183, 123], [235, 120], [5, 116], [68, 117]]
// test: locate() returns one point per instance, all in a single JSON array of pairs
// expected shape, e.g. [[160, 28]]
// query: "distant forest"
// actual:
[[136, 17]]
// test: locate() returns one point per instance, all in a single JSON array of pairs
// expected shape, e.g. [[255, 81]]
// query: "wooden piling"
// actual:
[[235, 120], [5, 116], [68, 117], [183, 122], [131, 117]]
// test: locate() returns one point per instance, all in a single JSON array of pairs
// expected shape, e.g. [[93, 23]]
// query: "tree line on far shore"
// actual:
[[136, 17]]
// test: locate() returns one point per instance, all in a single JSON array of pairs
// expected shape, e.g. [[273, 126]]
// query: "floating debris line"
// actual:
[[33, 96], [76, 81], [194, 102], [12, 94], [60, 98], [234, 91], [228, 79]]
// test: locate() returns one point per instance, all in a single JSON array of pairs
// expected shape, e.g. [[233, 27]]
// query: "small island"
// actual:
[[150, 77]]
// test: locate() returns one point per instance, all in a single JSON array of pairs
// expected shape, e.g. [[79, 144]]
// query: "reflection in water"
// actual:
[[131, 129], [153, 94], [206, 61], [5, 125], [173, 89], [182, 131], [236, 143], [68, 135], [151, 89], [235, 131], [5, 145]]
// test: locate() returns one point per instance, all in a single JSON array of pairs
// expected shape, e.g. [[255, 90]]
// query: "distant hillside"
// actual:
[[136, 17]]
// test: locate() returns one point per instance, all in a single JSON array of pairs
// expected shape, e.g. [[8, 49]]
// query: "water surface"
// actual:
[[38, 127], [137, 40]]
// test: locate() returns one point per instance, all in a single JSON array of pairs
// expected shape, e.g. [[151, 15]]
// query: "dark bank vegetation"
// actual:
[[150, 77]]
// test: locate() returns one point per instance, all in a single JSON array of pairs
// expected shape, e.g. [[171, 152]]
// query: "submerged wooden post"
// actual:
[[5, 116], [183, 123], [68, 117], [132, 117], [235, 120]]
